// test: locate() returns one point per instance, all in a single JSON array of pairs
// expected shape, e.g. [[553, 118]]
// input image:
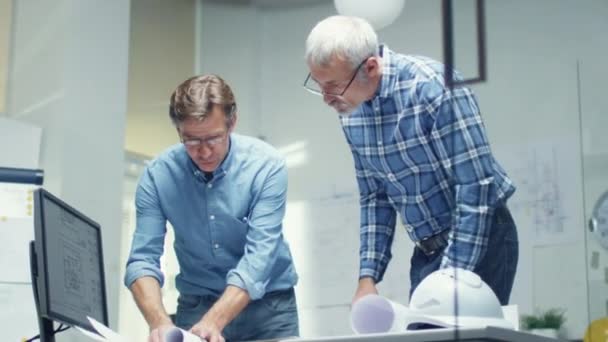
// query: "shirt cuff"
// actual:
[[371, 268], [140, 269], [256, 290]]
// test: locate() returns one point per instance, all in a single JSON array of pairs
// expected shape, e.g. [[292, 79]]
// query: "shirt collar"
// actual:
[[387, 83], [224, 166]]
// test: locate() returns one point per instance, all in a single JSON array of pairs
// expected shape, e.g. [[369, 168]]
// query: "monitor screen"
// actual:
[[70, 273]]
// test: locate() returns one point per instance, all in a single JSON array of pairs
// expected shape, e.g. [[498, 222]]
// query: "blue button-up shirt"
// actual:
[[421, 150], [227, 231]]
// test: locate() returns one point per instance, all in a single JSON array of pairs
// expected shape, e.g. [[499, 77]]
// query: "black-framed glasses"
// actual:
[[314, 87]]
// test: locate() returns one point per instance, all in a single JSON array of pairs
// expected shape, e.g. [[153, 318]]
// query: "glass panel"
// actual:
[[161, 55], [542, 114], [593, 76]]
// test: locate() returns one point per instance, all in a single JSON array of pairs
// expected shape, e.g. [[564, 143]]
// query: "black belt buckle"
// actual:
[[431, 244]]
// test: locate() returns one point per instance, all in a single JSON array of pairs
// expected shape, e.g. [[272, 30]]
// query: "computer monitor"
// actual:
[[67, 266]]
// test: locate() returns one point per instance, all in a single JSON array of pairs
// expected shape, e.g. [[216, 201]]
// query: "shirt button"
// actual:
[[379, 142], [391, 176], [212, 217], [210, 185], [216, 246]]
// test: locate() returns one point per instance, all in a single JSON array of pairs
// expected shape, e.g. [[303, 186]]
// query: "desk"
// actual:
[[436, 335]]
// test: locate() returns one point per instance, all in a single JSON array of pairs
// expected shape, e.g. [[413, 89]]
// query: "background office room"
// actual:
[[85, 90]]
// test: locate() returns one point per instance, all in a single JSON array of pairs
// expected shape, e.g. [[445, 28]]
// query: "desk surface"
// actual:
[[436, 335]]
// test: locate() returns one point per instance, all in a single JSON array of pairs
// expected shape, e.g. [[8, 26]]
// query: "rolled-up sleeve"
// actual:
[[148, 239], [264, 235]]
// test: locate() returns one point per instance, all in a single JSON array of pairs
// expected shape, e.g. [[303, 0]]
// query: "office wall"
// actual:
[[228, 46], [161, 55], [5, 25], [68, 75], [530, 107]]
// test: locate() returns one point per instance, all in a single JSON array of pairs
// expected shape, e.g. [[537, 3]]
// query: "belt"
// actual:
[[434, 243]]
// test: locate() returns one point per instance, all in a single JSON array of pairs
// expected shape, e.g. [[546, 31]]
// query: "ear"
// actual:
[[373, 66], [178, 127], [233, 123]]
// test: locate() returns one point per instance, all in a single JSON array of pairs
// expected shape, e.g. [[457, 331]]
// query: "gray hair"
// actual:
[[348, 37]]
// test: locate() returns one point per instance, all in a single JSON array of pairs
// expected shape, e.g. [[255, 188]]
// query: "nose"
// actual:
[[328, 98], [204, 151]]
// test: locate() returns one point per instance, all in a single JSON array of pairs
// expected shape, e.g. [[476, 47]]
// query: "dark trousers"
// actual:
[[273, 316], [497, 267]]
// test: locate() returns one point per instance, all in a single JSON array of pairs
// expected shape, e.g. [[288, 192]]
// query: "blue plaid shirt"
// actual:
[[421, 150]]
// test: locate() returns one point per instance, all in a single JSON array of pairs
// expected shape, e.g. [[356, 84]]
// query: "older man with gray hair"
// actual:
[[420, 150]]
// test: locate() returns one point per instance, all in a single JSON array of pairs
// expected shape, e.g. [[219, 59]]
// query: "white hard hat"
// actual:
[[457, 297], [447, 298]]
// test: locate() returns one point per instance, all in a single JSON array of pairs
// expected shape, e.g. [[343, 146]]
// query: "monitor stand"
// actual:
[[47, 333]]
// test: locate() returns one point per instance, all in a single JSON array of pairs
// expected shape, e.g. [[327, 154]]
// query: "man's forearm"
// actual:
[[228, 306], [367, 281], [146, 292]]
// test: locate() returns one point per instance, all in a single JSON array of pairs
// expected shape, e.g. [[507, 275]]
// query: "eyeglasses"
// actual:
[[212, 142], [314, 87]]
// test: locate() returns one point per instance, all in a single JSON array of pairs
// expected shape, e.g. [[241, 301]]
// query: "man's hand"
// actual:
[[157, 334], [146, 292], [230, 304], [207, 330], [367, 285]]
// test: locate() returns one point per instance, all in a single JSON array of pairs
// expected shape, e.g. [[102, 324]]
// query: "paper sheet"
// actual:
[[90, 334], [173, 335], [178, 335], [18, 317], [16, 200], [511, 314], [107, 333], [15, 234]]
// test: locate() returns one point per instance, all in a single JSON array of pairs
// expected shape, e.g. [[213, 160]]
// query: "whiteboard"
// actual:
[[18, 315], [549, 196], [16, 235], [19, 148], [324, 239]]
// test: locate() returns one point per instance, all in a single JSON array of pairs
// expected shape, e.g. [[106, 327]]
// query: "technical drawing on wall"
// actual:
[[548, 197]]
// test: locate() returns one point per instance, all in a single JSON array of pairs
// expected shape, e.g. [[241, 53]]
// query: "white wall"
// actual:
[[5, 24], [161, 56], [228, 47], [529, 104], [68, 75]]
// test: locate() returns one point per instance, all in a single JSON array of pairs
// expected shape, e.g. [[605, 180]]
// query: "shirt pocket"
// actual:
[[233, 234]]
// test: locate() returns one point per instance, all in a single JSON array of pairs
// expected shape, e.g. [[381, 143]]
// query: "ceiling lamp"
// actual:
[[379, 13]]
